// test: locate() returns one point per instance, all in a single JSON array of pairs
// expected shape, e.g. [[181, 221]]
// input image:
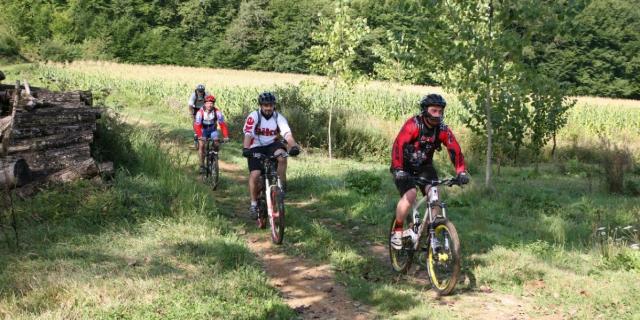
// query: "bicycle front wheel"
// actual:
[[276, 219], [443, 262], [401, 259], [214, 172]]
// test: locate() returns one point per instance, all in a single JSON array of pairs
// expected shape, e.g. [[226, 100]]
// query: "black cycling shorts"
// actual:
[[256, 164], [404, 184]]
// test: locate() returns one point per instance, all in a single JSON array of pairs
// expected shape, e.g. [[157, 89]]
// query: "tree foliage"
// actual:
[[593, 49], [486, 45]]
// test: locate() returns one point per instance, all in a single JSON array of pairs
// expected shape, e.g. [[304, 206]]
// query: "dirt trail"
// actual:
[[311, 290], [479, 303]]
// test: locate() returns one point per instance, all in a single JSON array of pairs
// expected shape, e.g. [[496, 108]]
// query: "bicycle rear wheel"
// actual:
[[277, 215], [401, 259], [262, 213], [443, 263]]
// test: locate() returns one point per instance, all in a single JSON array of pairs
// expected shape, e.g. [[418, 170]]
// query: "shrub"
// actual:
[[363, 182], [615, 162]]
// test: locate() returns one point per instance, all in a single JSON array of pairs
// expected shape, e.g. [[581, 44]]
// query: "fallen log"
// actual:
[[84, 169], [14, 172], [63, 98], [65, 129], [51, 118], [52, 160], [49, 142]]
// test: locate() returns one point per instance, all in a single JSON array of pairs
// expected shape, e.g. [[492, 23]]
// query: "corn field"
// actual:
[[388, 104]]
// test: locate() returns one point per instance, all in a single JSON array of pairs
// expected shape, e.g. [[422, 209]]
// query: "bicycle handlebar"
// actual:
[[449, 182], [205, 139], [264, 156]]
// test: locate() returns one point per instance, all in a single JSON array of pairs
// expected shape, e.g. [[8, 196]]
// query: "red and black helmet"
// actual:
[[210, 98]]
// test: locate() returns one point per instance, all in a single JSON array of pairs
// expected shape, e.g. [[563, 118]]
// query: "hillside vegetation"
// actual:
[[589, 46]]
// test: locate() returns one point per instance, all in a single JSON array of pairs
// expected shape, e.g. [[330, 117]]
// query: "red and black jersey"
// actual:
[[416, 143]]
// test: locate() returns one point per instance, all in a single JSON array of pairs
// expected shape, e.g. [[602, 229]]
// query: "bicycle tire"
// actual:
[[262, 213], [277, 215], [444, 283], [214, 171], [401, 259]]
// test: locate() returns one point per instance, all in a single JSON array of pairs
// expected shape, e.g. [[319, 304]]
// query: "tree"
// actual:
[[395, 60], [334, 53], [482, 54]]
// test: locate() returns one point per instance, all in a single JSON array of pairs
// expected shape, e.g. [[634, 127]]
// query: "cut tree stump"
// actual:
[[13, 172]]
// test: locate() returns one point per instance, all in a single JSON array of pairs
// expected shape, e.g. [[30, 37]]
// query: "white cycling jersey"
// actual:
[[269, 129]]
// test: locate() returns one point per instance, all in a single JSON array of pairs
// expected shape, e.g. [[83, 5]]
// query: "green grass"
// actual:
[[150, 244], [539, 225]]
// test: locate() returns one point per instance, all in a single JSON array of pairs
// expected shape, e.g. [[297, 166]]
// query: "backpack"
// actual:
[[275, 114], [215, 118], [423, 133]]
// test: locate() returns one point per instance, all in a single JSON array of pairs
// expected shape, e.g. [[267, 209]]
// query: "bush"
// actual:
[[55, 50], [632, 188], [615, 162], [8, 46], [363, 182], [626, 259]]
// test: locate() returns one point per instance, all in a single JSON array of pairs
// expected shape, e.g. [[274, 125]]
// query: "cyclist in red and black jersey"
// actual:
[[412, 155]]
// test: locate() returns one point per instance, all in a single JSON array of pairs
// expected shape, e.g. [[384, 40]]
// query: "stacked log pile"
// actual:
[[47, 133]]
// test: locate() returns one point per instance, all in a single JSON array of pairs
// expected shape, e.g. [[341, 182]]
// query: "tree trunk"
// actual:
[[13, 172], [487, 109], [333, 101], [553, 149]]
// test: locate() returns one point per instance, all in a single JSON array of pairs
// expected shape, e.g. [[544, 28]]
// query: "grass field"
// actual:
[[153, 243]]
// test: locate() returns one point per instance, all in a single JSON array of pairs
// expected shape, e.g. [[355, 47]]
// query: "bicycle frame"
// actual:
[[431, 199], [270, 178]]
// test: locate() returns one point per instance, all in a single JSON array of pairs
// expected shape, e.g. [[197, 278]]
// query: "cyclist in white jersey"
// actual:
[[262, 131]]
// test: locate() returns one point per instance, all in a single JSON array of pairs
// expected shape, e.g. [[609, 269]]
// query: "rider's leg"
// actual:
[[404, 204], [254, 177], [201, 151], [282, 167]]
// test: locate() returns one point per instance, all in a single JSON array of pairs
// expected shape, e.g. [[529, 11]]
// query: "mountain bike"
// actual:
[[441, 246], [212, 174], [271, 197]]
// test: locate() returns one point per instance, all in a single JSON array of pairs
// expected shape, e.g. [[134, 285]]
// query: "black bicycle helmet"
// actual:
[[433, 99], [200, 88], [266, 98]]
